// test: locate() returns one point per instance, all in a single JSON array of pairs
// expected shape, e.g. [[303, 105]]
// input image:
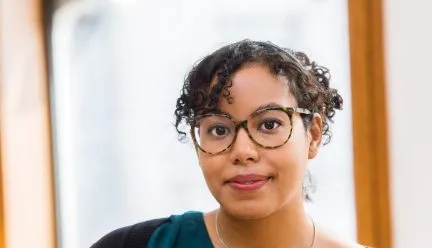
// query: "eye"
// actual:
[[269, 125], [218, 131]]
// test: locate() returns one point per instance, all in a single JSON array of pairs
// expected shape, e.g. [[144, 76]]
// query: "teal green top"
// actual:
[[182, 231], [186, 230]]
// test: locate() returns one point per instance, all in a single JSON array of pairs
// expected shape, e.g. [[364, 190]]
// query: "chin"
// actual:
[[249, 210]]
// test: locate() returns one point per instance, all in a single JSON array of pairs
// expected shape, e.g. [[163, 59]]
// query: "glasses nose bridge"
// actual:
[[242, 124]]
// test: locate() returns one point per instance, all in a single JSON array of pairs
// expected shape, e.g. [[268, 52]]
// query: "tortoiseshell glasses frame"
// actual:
[[244, 124]]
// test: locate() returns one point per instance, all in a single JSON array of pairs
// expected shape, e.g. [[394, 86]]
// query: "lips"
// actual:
[[244, 179], [250, 182]]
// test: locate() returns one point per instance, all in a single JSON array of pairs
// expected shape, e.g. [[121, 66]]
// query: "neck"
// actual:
[[289, 226]]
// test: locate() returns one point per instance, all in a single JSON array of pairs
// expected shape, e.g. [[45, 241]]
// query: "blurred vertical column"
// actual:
[[86, 114], [370, 125], [26, 166]]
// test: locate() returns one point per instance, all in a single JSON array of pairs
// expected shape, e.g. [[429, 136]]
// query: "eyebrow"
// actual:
[[254, 113], [265, 106]]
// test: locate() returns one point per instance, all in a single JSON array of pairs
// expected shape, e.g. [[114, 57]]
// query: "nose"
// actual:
[[244, 150]]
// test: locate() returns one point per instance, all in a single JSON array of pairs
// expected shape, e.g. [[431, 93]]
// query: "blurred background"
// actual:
[[118, 69], [88, 90]]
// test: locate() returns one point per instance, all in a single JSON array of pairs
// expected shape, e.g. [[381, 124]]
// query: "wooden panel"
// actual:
[[26, 164], [370, 123], [2, 217], [2, 228]]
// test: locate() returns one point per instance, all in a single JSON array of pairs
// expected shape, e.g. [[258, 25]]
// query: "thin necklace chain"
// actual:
[[221, 241]]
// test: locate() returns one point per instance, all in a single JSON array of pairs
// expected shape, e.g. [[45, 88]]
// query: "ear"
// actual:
[[198, 154], [315, 135], [197, 150], [195, 147]]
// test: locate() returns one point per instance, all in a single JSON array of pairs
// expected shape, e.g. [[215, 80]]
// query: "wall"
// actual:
[[408, 55]]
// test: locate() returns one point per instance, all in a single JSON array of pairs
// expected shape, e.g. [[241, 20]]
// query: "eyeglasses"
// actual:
[[268, 128]]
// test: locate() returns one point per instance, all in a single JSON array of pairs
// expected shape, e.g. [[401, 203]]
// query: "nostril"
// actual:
[[245, 161]]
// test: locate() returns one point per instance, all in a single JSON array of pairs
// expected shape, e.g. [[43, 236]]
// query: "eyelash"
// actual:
[[278, 122], [214, 127]]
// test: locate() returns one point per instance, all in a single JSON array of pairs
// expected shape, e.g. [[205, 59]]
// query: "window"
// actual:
[[113, 61]]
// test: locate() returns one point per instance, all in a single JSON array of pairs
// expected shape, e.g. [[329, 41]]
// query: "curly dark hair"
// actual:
[[308, 81]]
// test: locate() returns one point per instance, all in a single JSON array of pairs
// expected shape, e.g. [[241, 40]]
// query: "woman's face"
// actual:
[[250, 181]]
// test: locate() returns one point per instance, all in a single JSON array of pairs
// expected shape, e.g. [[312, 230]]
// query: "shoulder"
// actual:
[[177, 229], [328, 239], [185, 230], [128, 234], [162, 232]]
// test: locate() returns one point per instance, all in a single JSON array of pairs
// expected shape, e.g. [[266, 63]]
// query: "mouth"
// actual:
[[247, 183]]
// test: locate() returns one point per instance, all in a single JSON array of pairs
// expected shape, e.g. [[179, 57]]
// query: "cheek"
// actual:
[[287, 159], [291, 158], [212, 167]]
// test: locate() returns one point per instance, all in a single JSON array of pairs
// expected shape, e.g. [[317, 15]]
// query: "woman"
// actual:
[[257, 113]]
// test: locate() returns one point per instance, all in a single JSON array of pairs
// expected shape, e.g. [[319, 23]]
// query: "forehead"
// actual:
[[254, 86]]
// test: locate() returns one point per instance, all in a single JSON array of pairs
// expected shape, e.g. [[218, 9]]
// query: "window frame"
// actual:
[[369, 115]]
